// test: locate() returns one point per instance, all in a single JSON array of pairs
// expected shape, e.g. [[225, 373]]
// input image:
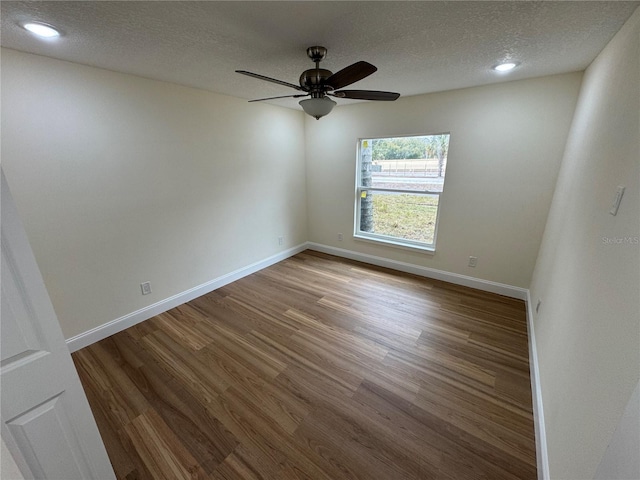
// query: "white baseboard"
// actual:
[[103, 331], [542, 458], [472, 282]]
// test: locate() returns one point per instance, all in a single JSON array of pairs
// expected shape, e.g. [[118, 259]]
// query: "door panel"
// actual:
[[46, 420], [18, 338], [42, 455]]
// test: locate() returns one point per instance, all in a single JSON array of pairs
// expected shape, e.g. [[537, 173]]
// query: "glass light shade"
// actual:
[[317, 107]]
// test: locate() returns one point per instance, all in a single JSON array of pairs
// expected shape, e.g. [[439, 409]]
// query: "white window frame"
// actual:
[[387, 239]]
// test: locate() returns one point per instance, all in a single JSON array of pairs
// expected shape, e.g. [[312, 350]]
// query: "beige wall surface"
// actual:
[[121, 180], [506, 146], [588, 271]]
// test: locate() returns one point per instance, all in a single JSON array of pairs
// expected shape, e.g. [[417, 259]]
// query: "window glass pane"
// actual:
[[404, 216], [405, 163]]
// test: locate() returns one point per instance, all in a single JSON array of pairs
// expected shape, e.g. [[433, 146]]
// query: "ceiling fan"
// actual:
[[321, 84]]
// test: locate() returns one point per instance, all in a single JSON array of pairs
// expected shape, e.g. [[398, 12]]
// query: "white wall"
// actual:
[[505, 151], [121, 180], [588, 328], [621, 460]]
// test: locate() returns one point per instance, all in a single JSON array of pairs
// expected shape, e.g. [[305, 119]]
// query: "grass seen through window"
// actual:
[[402, 215]]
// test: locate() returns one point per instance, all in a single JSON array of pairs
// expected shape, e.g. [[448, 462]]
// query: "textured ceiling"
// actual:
[[418, 47]]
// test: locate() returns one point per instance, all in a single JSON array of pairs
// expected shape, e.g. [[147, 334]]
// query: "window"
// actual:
[[399, 182]]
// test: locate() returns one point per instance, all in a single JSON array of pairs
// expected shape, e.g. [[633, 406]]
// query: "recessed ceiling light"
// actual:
[[505, 67], [41, 29]]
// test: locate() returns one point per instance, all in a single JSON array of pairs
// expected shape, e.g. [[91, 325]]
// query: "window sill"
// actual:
[[396, 244]]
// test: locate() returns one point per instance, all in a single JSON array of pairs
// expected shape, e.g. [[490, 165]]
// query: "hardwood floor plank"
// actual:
[[426, 373], [319, 368], [287, 410], [483, 358], [175, 325], [202, 435], [462, 454], [313, 361], [365, 446], [330, 453], [124, 400], [477, 426], [120, 458], [336, 339], [241, 349], [241, 465], [218, 311], [246, 420], [184, 368], [161, 451]]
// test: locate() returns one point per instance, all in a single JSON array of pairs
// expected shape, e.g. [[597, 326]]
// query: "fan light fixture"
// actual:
[[41, 29], [317, 107], [319, 83]]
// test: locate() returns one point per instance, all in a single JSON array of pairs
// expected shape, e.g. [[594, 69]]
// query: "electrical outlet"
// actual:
[[473, 261], [146, 288], [280, 240], [340, 237]]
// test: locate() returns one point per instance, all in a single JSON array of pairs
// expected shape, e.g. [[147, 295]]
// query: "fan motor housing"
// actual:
[[314, 78]]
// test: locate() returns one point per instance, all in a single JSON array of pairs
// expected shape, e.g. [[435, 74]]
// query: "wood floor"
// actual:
[[319, 368]]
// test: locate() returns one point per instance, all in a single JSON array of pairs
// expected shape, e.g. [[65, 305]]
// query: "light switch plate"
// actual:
[[617, 200]]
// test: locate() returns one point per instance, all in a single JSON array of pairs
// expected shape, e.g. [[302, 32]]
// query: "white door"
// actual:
[[46, 420]]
